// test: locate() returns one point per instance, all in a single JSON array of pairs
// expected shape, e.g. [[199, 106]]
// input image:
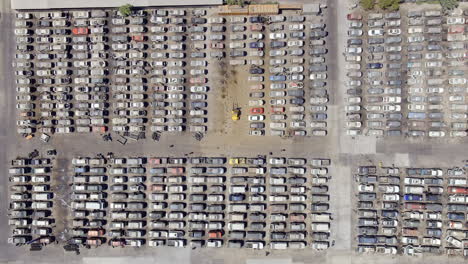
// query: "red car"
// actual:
[[257, 87], [354, 16], [80, 31], [256, 27], [217, 45], [198, 80], [138, 38], [257, 110]]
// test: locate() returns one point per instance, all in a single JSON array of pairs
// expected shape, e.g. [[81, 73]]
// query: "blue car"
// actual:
[[81, 169], [412, 197], [256, 45], [278, 78], [236, 197]]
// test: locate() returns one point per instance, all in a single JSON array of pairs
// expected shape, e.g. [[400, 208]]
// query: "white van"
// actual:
[[279, 245]]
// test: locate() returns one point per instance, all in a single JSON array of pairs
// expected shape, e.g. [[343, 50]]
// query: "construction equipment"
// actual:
[[235, 113]]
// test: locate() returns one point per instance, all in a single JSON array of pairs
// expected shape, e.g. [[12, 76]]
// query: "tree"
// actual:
[[389, 4], [126, 10], [448, 4], [368, 4]]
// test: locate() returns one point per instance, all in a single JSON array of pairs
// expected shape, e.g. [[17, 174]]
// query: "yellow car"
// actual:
[[233, 161]]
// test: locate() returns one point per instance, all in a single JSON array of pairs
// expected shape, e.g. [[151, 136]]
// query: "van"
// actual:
[[238, 189], [97, 179], [238, 207], [80, 179], [94, 205], [279, 245], [239, 226], [42, 196], [321, 217], [41, 205]]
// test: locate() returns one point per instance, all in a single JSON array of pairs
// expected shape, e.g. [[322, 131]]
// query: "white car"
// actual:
[[390, 188], [353, 132], [277, 35], [277, 101], [257, 36], [436, 134], [365, 188], [357, 50], [319, 171], [457, 81], [352, 108], [392, 99], [376, 32], [391, 108], [353, 100], [295, 43], [390, 197], [277, 161], [394, 31], [413, 181], [256, 117], [455, 20], [318, 76], [416, 107], [198, 89], [296, 27], [354, 124]]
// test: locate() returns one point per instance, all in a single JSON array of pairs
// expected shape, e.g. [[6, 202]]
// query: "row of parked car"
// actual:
[[405, 56], [411, 217], [31, 201], [162, 202]]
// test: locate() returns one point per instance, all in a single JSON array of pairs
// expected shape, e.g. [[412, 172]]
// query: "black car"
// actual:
[[257, 20], [374, 66], [277, 44], [256, 71], [373, 41], [389, 214], [354, 91], [236, 197], [198, 20]]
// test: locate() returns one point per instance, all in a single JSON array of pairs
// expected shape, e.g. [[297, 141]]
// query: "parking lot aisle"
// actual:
[[7, 115], [341, 206], [341, 181]]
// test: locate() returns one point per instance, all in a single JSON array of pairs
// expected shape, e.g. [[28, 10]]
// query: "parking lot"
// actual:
[[178, 200], [152, 72], [406, 74], [142, 73], [283, 64], [261, 202], [411, 210]]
